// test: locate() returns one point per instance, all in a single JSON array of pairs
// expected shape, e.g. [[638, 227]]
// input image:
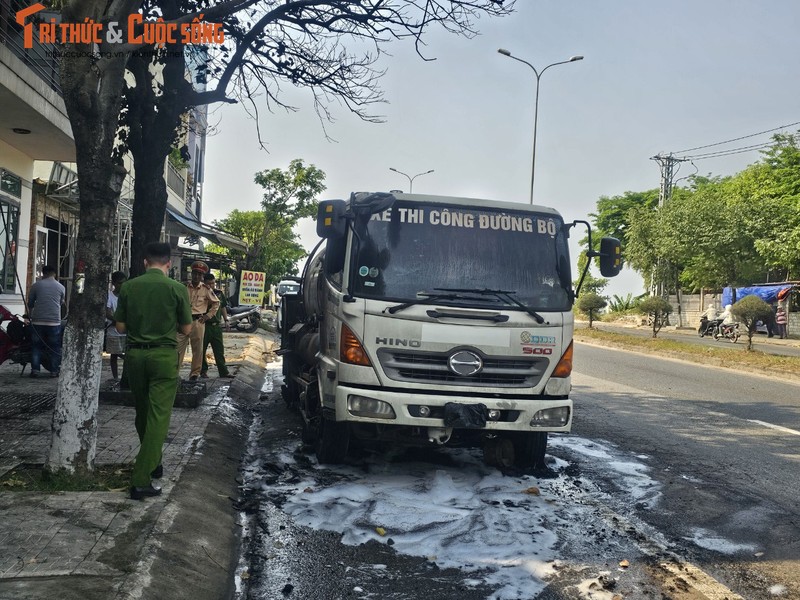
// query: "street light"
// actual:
[[539, 74], [410, 179]]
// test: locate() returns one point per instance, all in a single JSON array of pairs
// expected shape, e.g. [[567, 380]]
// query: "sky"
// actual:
[[656, 78]]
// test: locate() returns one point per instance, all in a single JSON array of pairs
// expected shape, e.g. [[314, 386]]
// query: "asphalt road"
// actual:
[[724, 445], [688, 473]]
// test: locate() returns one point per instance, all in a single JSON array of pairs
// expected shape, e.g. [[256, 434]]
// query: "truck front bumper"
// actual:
[[403, 408]]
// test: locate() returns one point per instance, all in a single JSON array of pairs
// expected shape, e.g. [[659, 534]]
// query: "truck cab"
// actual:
[[428, 320]]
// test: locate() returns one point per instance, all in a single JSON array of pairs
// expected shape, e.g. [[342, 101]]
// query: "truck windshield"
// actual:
[[412, 248]]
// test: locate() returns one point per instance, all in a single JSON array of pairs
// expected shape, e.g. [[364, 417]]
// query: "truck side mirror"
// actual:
[[332, 219], [610, 257]]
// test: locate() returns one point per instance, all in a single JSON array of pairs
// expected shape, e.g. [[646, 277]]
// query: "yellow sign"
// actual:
[[251, 288]]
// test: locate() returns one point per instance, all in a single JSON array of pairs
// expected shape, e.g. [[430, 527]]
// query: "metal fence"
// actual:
[[42, 59]]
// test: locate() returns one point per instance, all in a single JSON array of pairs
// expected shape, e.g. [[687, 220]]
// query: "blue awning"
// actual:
[[768, 293], [197, 228]]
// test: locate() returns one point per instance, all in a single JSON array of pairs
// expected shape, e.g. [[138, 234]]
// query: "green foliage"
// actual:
[[748, 311], [35, 478], [613, 216], [589, 303], [176, 160], [716, 231], [277, 255], [620, 304], [658, 309], [289, 195]]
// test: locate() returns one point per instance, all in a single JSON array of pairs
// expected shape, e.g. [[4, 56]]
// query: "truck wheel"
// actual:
[[333, 441], [529, 449], [308, 431], [498, 452]]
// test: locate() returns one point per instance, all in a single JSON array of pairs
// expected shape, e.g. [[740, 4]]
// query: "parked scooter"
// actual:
[[244, 318], [15, 340]]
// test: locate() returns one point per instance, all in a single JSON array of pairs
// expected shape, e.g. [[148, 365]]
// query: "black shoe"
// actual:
[[140, 493], [193, 378], [203, 375], [226, 376], [34, 374], [158, 472]]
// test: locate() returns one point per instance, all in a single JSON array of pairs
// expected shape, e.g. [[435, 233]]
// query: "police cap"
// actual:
[[199, 265]]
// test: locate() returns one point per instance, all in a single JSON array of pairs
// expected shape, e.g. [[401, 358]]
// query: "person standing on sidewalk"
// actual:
[[781, 321], [150, 309], [115, 341], [204, 306], [45, 299], [213, 334]]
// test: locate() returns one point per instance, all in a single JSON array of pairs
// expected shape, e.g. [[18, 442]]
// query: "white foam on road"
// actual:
[[465, 516]]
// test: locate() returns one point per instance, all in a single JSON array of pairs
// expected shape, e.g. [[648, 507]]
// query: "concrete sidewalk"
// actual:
[[102, 545]]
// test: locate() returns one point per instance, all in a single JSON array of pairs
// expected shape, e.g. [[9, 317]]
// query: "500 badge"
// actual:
[[536, 350]]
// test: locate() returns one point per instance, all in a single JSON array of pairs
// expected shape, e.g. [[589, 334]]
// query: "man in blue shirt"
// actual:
[[45, 299]]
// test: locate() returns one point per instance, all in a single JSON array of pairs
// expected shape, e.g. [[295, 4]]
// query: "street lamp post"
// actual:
[[410, 179], [538, 74]]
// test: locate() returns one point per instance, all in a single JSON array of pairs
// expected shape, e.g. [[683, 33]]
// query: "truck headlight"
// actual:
[[361, 406], [551, 417]]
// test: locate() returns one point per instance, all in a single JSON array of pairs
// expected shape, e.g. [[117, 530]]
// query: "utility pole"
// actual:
[[667, 165]]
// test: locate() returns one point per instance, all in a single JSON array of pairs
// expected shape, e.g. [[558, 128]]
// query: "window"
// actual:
[[9, 225], [10, 184]]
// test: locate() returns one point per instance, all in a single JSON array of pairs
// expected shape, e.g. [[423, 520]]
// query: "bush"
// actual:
[[748, 311], [589, 303], [658, 309]]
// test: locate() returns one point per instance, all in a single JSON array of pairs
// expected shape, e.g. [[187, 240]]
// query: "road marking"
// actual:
[[777, 427]]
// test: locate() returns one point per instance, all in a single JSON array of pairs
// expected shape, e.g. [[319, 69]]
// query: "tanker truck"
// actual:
[[429, 320]]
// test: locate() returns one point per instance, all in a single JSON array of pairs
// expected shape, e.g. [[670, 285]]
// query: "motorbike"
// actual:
[[15, 340], [244, 318], [708, 327], [729, 331]]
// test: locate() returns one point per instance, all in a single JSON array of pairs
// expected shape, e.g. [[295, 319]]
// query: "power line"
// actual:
[[744, 137], [729, 152]]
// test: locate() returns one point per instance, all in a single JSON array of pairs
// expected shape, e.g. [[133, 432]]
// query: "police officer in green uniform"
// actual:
[[150, 309], [213, 332]]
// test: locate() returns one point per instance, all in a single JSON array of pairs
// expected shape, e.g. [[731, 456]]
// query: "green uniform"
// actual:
[[213, 336], [152, 306]]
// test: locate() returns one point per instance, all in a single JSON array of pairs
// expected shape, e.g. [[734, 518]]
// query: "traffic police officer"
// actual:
[[150, 309], [213, 334], [204, 307]]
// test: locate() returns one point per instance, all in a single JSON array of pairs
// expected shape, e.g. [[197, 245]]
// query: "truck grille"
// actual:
[[431, 367]]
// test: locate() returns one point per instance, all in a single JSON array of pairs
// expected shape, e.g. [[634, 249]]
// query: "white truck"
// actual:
[[428, 320]]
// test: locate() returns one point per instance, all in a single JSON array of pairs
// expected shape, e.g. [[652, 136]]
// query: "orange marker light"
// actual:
[[564, 366], [351, 351]]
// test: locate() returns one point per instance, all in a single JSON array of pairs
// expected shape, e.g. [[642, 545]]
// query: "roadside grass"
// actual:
[[34, 478], [733, 356]]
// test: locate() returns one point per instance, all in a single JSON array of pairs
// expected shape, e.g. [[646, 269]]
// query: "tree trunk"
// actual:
[[153, 121], [149, 207], [92, 95]]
